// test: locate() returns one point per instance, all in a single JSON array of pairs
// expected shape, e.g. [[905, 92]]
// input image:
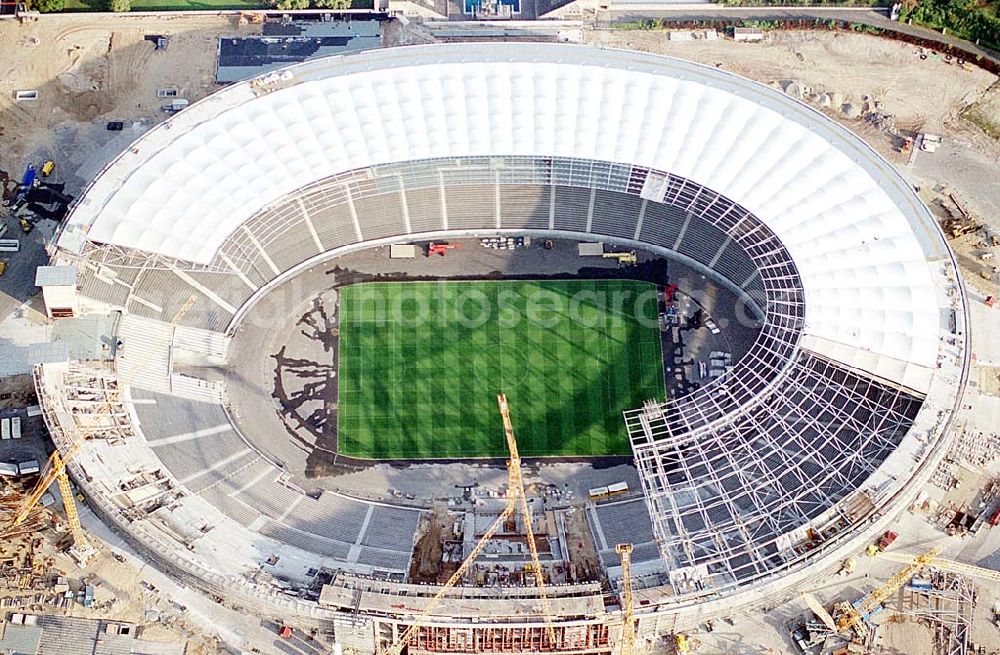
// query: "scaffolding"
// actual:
[[93, 397], [946, 606], [784, 476]]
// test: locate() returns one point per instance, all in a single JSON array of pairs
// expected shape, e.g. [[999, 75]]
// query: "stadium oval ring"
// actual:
[[754, 484]]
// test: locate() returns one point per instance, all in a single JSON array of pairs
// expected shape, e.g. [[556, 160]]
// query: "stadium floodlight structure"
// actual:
[[806, 447]]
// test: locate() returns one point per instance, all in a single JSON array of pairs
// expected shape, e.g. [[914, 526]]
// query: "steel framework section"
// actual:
[[591, 639], [948, 607], [737, 502], [122, 257]]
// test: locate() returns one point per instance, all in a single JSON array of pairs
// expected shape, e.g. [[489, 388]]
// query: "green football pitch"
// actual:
[[421, 364]]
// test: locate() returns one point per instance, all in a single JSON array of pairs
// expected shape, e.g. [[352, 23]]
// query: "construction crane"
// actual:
[[516, 499], [628, 619], [855, 616], [947, 565], [517, 496], [55, 471], [820, 612]]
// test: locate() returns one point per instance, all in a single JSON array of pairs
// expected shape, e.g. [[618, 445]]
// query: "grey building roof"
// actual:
[[55, 276], [67, 635], [21, 640]]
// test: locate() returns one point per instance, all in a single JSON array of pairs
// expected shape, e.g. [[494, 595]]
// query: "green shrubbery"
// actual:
[[975, 20], [48, 6], [120, 6]]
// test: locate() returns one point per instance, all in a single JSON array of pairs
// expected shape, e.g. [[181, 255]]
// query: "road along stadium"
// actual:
[[307, 274]]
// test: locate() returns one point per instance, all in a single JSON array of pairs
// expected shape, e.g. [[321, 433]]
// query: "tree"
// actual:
[[120, 6], [48, 6], [292, 4], [333, 4]]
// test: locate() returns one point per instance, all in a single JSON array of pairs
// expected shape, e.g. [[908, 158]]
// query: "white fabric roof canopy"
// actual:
[[196, 179]]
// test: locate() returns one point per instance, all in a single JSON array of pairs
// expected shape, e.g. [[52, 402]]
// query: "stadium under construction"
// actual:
[[784, 393]]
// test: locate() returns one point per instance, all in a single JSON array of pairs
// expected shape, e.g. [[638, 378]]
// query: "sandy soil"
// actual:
[[920, 94], [92, 70]]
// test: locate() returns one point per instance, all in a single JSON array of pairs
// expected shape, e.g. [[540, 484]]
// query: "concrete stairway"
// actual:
[[143, 359]]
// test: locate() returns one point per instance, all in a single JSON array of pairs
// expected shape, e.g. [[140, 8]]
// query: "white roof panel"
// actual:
[[854, 228]]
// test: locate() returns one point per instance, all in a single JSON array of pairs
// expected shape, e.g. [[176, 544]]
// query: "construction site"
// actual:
[[559, 375]]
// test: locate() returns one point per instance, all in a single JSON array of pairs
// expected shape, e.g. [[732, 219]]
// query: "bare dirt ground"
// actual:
[[927, 94], [90, 70], [920, 94]]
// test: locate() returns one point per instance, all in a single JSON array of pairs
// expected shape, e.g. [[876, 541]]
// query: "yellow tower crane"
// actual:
[[961, 568], [628, 610], [517, 495], [516, 499], [55, 471], [855, 616]]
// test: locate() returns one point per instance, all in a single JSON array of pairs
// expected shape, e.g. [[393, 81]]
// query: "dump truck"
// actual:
[[882, 544]]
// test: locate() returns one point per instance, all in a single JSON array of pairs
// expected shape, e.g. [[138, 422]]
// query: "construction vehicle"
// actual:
[[847, 568], [929, 142], [3, 267], [251, 17], [882, 544], [440, 248], [622, 257], [681, 644], [628, 610], [55, 471], [26, 225], [516, 499], [47, 168]]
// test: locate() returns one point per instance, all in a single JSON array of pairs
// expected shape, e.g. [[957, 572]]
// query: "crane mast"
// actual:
[[628, 620], [515, 489], [516, 499], [55, 468], [856, 617]]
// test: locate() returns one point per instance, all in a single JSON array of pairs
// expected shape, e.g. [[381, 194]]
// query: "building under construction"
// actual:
[[783, 461]]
